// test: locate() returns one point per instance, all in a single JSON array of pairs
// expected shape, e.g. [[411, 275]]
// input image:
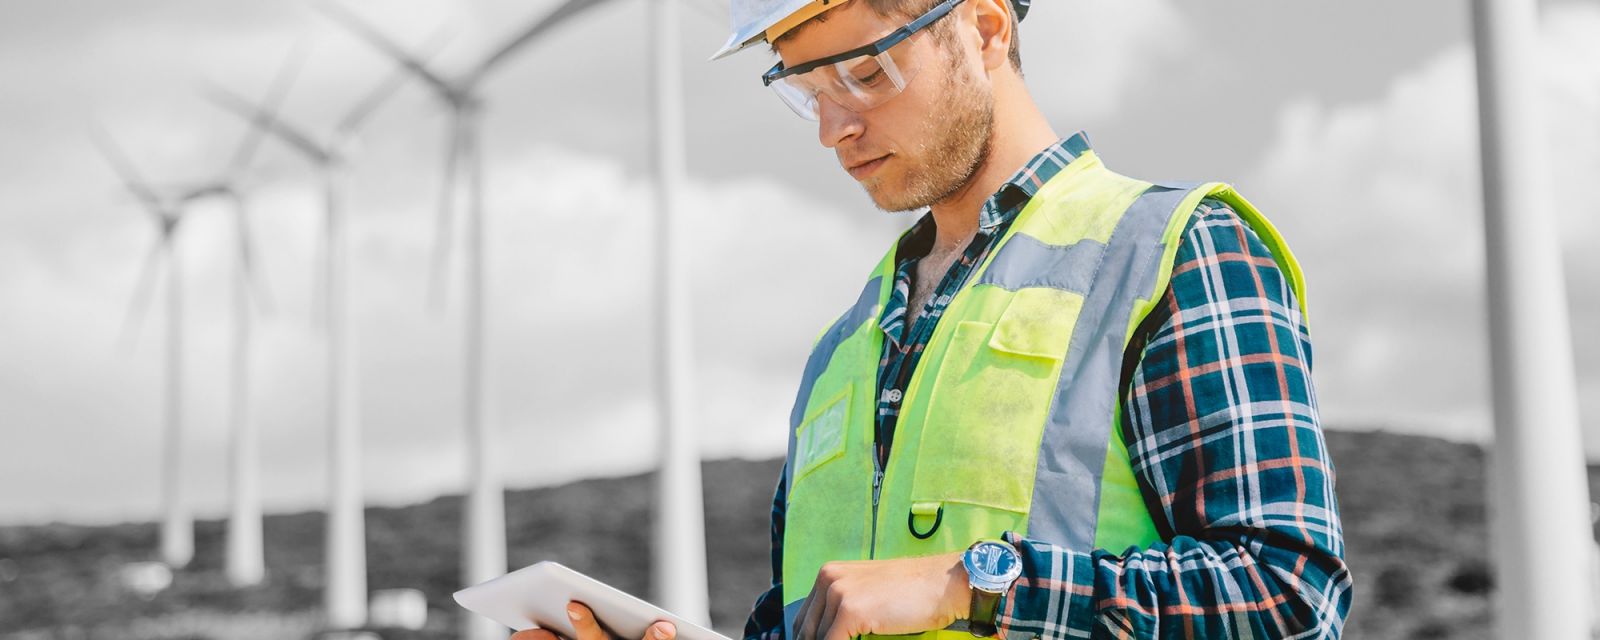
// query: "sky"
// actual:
[[1352, 125]]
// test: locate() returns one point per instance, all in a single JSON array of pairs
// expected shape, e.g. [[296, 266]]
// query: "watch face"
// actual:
[[993, 564]]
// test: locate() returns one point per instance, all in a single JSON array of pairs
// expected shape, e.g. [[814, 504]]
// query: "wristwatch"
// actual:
[[992, 565]]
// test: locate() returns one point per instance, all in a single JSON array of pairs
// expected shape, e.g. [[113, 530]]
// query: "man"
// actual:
[[1067, 403]]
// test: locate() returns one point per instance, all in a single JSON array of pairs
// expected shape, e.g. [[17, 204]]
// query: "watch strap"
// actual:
[[985, 607]]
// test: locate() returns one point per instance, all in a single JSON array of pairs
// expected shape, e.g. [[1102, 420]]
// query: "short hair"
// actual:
[[910, 9]]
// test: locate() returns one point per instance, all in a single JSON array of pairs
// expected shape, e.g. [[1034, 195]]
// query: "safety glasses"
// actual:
[[858, 79]]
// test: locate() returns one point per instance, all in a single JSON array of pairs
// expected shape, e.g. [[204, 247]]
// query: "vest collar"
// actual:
[[1025, 183], [1009, 199]]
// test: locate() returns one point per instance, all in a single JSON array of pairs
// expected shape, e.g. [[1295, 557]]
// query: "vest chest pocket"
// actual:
[[821, 436], [990, 399]]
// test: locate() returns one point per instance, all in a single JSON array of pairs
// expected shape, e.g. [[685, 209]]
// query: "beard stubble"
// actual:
[[961, 131]]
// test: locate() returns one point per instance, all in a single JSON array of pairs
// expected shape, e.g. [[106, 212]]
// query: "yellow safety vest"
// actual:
[[1015, 395]]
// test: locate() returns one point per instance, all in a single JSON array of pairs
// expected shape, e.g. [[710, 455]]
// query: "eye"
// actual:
[[867, 74]]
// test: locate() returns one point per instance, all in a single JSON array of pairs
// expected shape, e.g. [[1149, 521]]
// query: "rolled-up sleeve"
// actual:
[[1221, 424]]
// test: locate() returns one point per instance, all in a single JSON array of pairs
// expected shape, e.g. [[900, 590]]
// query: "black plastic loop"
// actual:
[[911, 523]]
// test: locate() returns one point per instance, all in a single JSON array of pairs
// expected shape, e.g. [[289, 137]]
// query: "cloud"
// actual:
[[570, 312], [1381, 200], [780, 240], [570, 338], [1096, 52]]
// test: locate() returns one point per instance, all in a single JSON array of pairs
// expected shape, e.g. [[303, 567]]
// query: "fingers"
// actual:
[[829, 615], [584, 624], [535, 634], [836, 632], [805, 620], [588, 627], [662, 630], [820, 607]]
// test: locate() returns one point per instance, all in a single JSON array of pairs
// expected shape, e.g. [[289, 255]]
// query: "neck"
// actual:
[[1020, 133]]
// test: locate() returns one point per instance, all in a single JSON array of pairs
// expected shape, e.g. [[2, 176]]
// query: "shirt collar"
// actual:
[[1010, 198], [1026, 182], [1004, 205]]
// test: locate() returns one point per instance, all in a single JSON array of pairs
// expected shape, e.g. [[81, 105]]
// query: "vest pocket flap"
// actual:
[[821, 436], [1038, 322], [979, 438]]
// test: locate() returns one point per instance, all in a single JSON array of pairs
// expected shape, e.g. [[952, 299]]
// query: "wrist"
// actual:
[[958, 592], [992, 566]]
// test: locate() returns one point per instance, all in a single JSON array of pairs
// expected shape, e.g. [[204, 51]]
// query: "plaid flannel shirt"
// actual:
[[1220, 419]]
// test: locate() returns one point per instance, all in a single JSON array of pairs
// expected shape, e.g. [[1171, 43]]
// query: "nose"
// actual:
[[835, 124]]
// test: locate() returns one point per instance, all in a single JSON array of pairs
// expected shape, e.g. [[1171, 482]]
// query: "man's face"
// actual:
[[925, 144]]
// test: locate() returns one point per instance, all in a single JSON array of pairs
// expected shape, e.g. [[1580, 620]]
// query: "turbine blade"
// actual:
[[444, 224], [269, 105], [567, 10], [384, 45], [130, 177], [385, 90], [139, 303], [263, 120]]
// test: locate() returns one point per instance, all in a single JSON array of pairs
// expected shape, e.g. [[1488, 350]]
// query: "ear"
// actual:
[[995, 31]]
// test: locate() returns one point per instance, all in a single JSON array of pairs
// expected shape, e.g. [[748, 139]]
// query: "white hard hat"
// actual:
[[753, 19], [757, 20]]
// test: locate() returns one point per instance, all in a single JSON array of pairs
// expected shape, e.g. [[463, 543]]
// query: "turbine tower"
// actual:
[[484, 544], [345, 589], [177, 521], [1540, 491], [245, 562], [678, 561]]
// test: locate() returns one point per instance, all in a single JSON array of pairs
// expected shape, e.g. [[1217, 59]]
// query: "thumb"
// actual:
[[662, 630]]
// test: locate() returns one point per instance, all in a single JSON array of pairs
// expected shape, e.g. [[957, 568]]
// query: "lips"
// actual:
[[862, 170]]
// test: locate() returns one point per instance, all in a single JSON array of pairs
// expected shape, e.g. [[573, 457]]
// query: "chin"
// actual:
[[888, 203], [888, 198]]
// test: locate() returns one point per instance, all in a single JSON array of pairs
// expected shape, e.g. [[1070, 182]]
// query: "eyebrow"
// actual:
[[773, 46]]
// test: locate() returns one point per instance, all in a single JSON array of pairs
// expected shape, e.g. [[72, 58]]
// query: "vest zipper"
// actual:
[[877, 488]]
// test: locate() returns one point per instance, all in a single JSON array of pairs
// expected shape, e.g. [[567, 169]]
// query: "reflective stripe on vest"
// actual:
[[1015, 395]]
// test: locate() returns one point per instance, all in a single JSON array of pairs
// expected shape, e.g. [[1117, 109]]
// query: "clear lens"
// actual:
[[799, 99], [857, 84]]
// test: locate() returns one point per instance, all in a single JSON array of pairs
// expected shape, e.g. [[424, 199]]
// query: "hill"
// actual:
[[1413, 510]]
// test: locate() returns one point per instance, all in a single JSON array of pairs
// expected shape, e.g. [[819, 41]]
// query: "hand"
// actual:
[[903, 595], [589, 629]]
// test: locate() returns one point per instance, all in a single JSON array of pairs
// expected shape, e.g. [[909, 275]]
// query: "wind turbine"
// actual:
[[345, 590], [177, 522], [245, 563], [484, 546], [1537, 467], [679, 557]]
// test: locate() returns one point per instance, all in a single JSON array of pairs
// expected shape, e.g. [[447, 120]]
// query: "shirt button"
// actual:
[[894, 395]]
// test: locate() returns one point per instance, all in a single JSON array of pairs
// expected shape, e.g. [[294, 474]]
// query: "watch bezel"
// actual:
[[986, 582]]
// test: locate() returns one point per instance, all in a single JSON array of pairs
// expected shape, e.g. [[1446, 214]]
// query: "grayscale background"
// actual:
[[1351, 124]]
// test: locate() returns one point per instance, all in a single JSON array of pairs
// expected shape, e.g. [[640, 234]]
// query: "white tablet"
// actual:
[[536, 597]]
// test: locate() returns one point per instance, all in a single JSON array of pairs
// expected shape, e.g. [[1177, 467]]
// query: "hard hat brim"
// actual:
[[755, 30], [736, 43]]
